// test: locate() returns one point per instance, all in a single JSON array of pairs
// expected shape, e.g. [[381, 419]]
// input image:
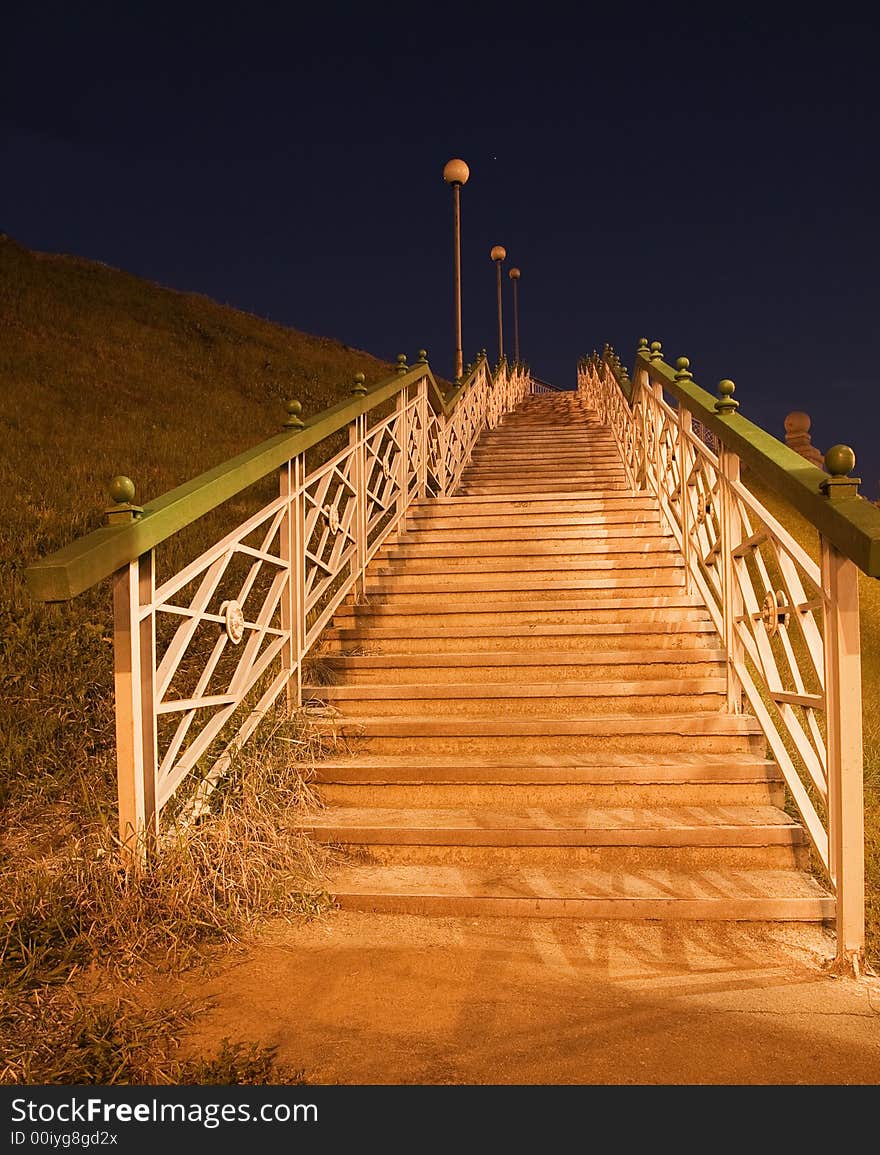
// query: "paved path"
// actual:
[[393, 999]]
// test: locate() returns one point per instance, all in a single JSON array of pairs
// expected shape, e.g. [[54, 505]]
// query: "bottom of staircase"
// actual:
[[710, 895]]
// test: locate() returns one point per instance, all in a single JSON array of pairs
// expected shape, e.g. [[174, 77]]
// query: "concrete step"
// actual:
[[511, 699], [519, 665], [527, 612], [583, 551], [447, 639], [480, 538], [427, 734], [534, 591], [603, 837], [576, 503], [400, 571], [726, 894]]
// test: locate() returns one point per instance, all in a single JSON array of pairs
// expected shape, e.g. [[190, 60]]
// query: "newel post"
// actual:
[[731, 539], [134, 678], [843, 712], [290, 481]]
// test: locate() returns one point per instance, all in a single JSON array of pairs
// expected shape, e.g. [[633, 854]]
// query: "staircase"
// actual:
[[536, 707]]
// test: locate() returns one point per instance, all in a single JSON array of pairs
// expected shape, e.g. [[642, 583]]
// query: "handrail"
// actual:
[[203, 654], [849, 521], [789, 625], [83, 563]]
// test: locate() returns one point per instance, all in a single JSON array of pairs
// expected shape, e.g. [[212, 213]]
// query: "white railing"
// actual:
[[201, 657], [790, 626]]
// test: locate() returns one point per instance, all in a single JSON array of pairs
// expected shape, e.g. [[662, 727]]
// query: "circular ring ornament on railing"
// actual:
[[774, 611], [332, 516], [234, 616]]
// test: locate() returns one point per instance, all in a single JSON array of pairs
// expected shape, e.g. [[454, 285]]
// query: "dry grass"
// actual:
[[102, 373]]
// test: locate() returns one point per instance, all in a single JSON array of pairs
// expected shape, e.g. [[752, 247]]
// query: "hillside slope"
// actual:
[[104, 373]]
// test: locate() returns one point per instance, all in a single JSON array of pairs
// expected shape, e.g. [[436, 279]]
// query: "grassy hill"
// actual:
[[103, 373]]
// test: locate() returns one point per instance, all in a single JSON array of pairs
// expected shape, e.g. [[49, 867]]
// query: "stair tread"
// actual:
[[533, 658], [680, 724], [600, 687], [719, 885], [581, 818]]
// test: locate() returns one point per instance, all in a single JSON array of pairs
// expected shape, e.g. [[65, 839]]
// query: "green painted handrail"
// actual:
[[850, 522], [85, 562]]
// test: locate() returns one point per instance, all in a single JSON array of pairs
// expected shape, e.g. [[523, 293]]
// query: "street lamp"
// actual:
[[498, 254], [514, 276], [456, 173]]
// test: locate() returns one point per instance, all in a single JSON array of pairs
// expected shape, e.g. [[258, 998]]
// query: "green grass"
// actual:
[[103, 373]]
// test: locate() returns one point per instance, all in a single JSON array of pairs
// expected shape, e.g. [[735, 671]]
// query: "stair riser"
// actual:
[[592, 639], [549, 794], [486, 489], [530, 589], [491, 746], [566, 566], [609, 858], [533, 589], [408, 701], [479, 675], [594, 505], [701, 910], [487, 619], [546, 536], [417, 554]]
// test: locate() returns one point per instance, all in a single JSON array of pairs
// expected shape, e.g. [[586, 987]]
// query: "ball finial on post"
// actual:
[[121, 492], [656, 351], [682, 369], [498, 253], [294, 420], [402, 366], [642, 347], [358, 385], [725, 403], [840, 461]]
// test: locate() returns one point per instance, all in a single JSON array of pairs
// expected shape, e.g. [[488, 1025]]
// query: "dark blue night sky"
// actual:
[[711, 181]]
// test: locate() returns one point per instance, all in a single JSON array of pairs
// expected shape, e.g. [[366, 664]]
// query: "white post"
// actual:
[[403, 458], [134, 666], [843, 712], [290, 485], [357, 439], [685, 457], [731, 595]]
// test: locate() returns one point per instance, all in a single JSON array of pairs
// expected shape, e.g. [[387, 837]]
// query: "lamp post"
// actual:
[[514, 276], [498, 254], [456, 173]]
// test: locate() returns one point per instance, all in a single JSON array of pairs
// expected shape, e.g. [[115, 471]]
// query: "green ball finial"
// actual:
[[840, 460], [656, 351], [682, 369], [294, 421], [423, 357], [402, 366], [725, 402], [121, 490], [642, 346], [358, 387]]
